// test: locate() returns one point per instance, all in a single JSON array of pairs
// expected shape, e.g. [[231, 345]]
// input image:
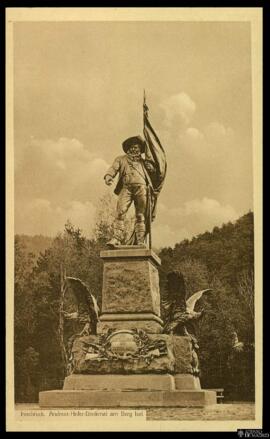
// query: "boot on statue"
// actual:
[[140, 232]]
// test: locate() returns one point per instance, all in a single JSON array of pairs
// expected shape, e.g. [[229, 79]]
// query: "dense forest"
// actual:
[[35, 244], [222, 260]]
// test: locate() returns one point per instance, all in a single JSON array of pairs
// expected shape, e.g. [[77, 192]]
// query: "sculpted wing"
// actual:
[[86, 302], [192, 300], [78, 316]]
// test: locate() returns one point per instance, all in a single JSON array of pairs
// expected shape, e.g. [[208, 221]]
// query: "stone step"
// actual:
[[96, 398], [119, 382], [131, 382]]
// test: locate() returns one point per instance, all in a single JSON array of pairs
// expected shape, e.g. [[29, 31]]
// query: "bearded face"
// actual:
[[134, 152]]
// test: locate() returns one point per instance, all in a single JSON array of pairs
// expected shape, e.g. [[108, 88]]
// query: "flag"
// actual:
[[155, 153]]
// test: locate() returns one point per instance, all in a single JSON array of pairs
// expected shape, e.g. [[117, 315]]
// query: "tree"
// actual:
[[223, 260], [246, 290], [27, 375], [105, 218], [24, 323]]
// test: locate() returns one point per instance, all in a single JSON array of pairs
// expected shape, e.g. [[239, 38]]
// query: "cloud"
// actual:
[[40, 216], [193, 217], [179, 110], [59, 170], [194, 134], [215, 131], [214, 142], [211, 210], [65, 155], [193, 140], [165, 236], [211, 145], [204, 214]]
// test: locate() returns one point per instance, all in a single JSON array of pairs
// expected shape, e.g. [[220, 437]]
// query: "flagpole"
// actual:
[[61, 315], [150, 218], [148, 186], [143, 105]]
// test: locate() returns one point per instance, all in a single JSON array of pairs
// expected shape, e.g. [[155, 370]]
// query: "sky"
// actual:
[[78, 91]]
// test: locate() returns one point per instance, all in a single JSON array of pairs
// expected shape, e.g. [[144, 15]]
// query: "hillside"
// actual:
[[226, 251], [34, 244], [222, 260]]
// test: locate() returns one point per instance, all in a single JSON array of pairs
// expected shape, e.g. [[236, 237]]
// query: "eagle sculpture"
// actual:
[[179, 314], [179, 311], [78, 316]]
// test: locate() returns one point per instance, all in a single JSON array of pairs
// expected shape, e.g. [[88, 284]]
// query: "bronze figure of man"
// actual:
[[135, 182]]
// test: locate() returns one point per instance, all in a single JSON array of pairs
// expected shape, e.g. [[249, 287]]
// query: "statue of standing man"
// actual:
[[133, 186], [140, 181]]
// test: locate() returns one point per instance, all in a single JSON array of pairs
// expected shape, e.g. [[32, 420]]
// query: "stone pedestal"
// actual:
[[130, 292], [130, 363]]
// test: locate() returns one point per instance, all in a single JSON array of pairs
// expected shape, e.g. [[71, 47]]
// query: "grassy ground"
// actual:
[[218, 412]]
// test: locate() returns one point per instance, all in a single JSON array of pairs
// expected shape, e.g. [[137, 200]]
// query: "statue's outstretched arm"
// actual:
[[114, 169]]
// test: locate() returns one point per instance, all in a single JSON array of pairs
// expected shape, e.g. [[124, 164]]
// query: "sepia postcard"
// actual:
[[134, 219]]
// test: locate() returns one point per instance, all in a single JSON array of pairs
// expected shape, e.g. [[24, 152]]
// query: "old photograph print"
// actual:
[[135, 215]]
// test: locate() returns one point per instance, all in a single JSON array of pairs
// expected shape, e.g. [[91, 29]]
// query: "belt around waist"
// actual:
[[134, 184]]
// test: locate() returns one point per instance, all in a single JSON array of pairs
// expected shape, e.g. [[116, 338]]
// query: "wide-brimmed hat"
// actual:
[[135, 140]]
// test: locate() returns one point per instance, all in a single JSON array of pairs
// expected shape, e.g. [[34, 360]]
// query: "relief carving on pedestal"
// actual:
[[126, 345]]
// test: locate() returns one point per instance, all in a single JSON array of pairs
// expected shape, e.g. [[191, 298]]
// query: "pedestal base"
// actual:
[[129, 391], [103, 398], [132, 382]]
